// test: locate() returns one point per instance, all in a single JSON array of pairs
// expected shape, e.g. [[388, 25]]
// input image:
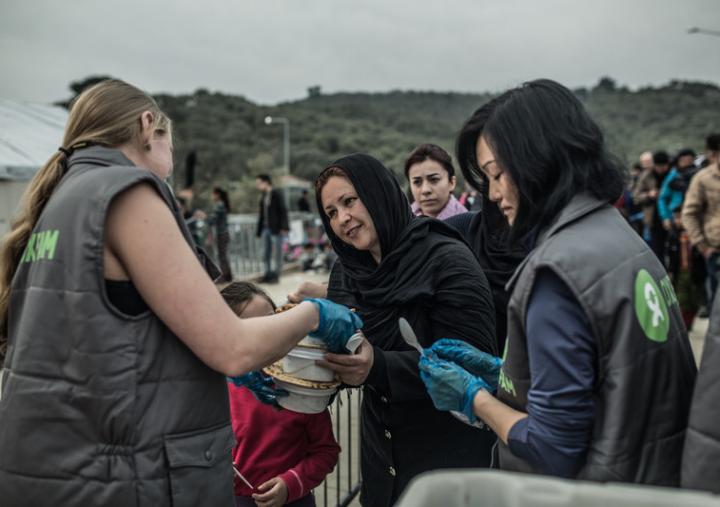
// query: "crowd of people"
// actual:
[[674, 204], [552, 328]]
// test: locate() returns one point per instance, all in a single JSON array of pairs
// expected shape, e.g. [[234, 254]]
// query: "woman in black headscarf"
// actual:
[[390, 265], [487, 232]]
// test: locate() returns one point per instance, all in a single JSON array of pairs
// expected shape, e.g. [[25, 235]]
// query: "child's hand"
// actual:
[[308, 290], [273, 493]]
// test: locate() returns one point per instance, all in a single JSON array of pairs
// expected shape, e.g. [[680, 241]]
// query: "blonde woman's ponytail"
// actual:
[[106, 114]]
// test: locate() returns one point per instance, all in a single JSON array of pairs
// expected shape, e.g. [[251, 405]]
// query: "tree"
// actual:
[[606, 84], [77, 87], [232, 142]]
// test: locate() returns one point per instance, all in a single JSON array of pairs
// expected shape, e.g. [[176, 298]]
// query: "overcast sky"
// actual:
[[272, 50]]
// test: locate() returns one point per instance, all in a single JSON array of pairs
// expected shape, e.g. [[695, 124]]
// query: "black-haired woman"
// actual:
[[597, 372], [487, 232], [218, 219], [431, 175], [390, 265]]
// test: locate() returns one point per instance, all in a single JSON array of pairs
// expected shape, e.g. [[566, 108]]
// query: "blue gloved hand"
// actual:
[[262, 386], [477, 362], [337, 325], [450, 386]]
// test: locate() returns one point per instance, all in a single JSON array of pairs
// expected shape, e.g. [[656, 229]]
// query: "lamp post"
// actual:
[[269, 120], [695, 29]]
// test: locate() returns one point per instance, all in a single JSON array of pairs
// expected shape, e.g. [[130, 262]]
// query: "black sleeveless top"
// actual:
[[125, 297]]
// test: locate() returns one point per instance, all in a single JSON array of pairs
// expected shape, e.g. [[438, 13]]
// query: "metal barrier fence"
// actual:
[[342, 486], [245, 250]]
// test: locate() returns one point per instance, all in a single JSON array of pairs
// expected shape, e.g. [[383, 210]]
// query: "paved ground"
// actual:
[[697, 337], [289, 282]]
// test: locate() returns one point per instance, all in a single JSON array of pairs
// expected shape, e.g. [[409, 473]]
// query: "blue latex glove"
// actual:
[[337, 325], [262, 386], [477, 362], [450, 386]]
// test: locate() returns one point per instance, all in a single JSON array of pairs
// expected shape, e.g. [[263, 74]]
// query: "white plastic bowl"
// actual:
[[300, 363], [304, 400]]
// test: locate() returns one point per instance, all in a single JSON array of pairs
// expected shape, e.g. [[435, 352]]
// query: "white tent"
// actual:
[[29, 134]]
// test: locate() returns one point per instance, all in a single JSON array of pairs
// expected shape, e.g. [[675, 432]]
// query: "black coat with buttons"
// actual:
[[428, 275], [402, 433]]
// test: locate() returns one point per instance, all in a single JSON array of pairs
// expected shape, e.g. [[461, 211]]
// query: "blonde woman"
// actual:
[[113, 387]]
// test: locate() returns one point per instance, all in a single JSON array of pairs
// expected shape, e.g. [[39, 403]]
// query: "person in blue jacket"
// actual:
[[672, 191], [670, 200]]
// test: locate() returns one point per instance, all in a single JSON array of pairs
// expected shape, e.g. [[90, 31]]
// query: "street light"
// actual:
[[695, 29], [269, 120]]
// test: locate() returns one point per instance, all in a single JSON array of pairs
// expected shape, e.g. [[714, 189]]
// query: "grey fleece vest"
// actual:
[[99, 407], [701, 456], [645, 369]]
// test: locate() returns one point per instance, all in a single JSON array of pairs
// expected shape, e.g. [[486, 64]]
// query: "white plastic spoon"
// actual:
[[406, 331]]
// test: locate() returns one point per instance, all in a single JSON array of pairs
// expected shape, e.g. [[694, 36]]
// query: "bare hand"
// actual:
[[308, 290], [667, 224], [352, 369], [652, 194], [273, 493]]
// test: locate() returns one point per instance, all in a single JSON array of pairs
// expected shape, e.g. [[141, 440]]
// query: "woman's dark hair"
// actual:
[[712, 142], [685, 152], [223, 195], [325, 176], [264, 177], [238, 294], [542, 135], [432, 152], [661, 158]]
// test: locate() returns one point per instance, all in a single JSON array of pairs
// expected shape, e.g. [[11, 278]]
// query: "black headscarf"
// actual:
[[487, 232], [489, 238], [413, 251]]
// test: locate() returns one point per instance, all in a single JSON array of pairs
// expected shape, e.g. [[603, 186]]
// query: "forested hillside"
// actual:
[[232, 142]]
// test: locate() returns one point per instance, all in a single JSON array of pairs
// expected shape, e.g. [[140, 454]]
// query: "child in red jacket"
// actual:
[[284, 455]]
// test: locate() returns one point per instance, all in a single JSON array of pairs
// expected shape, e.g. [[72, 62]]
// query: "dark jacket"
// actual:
[[701, 457], [219, 218], [428, 275], [402, 434], [99, 407], [646, 369], [277, 216], [647, 182]]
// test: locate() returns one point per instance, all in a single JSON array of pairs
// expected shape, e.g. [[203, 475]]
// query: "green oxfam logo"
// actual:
[[650, 307]]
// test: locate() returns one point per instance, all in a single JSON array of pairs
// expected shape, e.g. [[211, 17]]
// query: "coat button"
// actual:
[[392, 471], [383, 399], [208, 455], [387, 434]]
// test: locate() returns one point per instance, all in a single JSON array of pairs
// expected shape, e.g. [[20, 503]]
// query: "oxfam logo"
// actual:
[[650, 307]]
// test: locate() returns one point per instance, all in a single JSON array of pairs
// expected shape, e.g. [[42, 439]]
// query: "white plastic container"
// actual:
[[300, 363], [492, 488], [303, 399]]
